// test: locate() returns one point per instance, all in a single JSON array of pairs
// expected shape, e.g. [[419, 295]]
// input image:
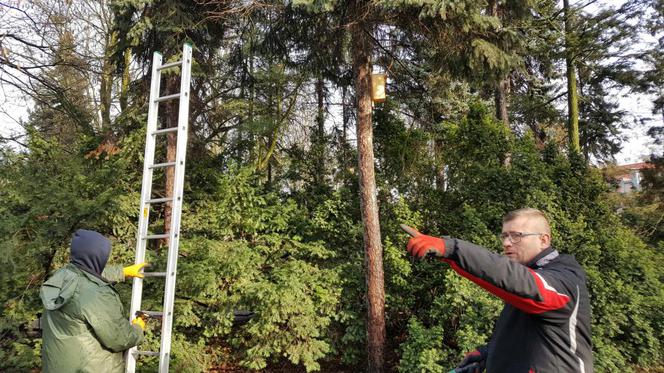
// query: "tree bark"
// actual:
[[320, 114], [319, 137], [572, 95], [126, 79], [172, 109], [369, 205], [345, 115], [106, 83], [502, 88], [441, 176], [500, 96]]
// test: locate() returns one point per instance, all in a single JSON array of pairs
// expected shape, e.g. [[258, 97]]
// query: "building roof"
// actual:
[[635, 166], [628, 170]]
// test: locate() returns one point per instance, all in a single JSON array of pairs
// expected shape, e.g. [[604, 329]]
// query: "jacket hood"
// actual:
[[90, 251], [59, 289]]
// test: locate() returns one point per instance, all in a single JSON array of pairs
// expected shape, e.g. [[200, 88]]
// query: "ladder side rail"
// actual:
[[146, 191], [178, 186]]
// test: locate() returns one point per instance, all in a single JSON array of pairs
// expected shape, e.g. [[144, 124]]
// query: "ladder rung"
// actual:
[[154, 274], [147, 353], [166, 98], [165, 130], [169, 65], [155, 236], [159, 200], [155, 314], [161, 165], [148, 200]]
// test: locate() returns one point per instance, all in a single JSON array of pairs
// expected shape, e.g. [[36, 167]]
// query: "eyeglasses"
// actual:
[[516, 237]]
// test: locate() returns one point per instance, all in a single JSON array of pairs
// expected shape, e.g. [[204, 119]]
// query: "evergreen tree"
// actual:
[[273, 219]]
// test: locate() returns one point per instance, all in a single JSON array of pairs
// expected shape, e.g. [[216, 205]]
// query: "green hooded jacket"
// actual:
[[85, 328]]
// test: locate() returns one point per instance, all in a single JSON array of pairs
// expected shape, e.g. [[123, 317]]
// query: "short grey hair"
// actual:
[[528, 213]]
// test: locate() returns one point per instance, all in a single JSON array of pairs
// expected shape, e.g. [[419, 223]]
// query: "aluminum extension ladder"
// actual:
[[176, 203]]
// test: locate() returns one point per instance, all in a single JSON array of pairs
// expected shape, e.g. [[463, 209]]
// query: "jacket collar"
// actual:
[[543, 258], [91, 275]]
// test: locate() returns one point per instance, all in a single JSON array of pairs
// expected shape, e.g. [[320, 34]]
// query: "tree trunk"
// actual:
[[501, 93], [319, 137], [345, 115], [572, 96], [106, 84], [172, 109], [500, 96], [126, 78], [439, 166], [501, 90], [369, 205], [320, 116]]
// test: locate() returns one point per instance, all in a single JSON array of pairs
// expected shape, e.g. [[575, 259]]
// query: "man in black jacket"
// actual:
[[545, 324]]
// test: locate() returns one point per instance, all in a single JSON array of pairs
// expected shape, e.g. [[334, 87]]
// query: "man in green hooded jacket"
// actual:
[[85, 328]]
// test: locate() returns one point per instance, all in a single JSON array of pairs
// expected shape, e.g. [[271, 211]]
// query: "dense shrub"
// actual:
[[293, 255]]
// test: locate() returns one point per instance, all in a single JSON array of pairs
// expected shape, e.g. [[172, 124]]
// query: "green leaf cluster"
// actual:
[[624, 279]]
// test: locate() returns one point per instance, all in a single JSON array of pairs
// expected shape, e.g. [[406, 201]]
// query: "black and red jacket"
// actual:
[[545, 324]]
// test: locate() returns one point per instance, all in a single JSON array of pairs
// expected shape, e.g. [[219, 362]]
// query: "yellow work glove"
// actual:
[[134, 270], [138, 321]]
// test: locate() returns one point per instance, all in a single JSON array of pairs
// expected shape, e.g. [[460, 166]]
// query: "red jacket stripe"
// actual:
[[551, 299]]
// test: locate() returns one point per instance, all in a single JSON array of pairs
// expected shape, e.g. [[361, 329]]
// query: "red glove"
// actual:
[[421, 245], [473, 362]]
